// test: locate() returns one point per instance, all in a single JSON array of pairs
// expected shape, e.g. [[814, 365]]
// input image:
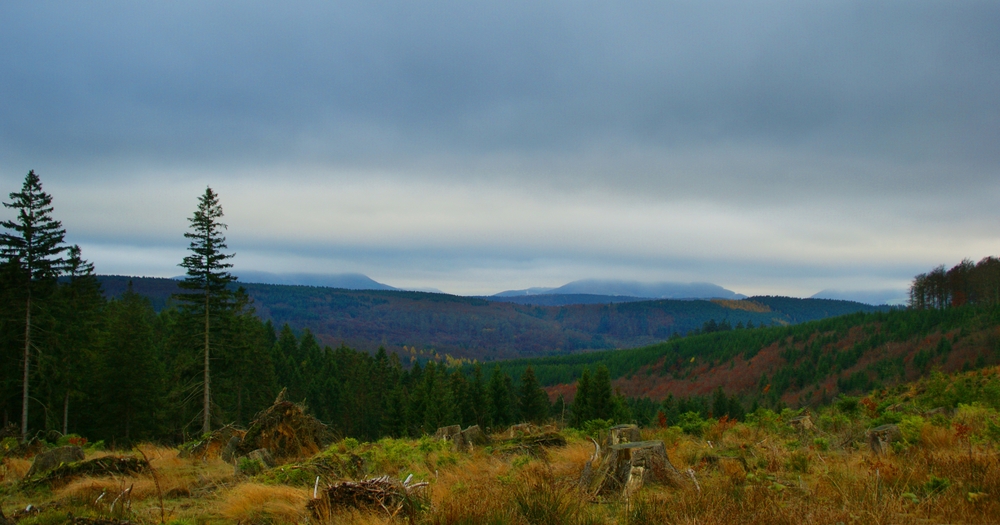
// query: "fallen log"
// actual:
[[103, 466]]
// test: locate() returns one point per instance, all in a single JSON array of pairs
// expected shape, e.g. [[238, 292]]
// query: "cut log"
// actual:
[[448, 433], [879, 438], [623, 434], [628, 466]]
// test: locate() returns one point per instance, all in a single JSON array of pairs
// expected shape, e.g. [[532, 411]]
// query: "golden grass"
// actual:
[[14, 469], [254, 502]]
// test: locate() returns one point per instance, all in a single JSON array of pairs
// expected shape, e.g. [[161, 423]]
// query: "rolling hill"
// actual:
[[798, 364], [430, 325]]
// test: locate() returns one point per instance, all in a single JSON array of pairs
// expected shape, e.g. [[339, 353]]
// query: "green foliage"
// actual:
[[692, 423], [596, 428]]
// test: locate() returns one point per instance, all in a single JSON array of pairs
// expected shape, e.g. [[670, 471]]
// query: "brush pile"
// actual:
[[531, 445], [374, 494]]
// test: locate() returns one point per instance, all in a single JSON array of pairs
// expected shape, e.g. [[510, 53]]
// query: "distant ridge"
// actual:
[[346, 281], [632, 289], [873, 297]]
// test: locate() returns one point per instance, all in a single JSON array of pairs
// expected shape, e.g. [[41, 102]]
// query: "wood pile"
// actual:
[[382, 494]]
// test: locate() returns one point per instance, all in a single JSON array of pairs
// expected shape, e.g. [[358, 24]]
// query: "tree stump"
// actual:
[[448, 433], [623, 434], [51, 459], [801, 423], [879, 438], [628, 466], [474, 437]]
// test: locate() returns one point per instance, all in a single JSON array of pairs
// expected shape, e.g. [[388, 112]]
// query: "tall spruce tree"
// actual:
[[32, 245], [208, 296], [533, 401]]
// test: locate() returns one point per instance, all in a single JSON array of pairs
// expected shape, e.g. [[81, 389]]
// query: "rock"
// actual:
[[254, 462], [51, 459], [229, 452], [880, 437]]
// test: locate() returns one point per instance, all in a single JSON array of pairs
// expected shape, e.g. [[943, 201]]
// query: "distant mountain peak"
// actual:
[[347, 281], [621, 288]]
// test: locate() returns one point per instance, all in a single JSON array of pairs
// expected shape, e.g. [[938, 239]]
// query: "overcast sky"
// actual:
[[473, 147]]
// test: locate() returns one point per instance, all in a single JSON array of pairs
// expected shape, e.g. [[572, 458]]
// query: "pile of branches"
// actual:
[[286, 430], [374, 494], [103, 466], [531, 445]]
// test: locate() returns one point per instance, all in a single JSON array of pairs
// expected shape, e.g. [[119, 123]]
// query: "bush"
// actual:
[[692, 423]]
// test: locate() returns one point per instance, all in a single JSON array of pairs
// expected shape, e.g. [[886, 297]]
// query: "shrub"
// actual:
[[692, 423]]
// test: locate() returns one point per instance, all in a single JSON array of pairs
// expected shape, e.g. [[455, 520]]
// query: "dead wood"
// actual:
[[623, 434], [286, 430], [103, 466], [212, 445], [880, 437], [532, 445], [627, 466], [53, 458], [382, 494]]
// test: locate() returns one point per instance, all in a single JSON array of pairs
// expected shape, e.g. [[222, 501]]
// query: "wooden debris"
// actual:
[[627, 467], [103, 466], [286, 430], [879, 438], [532, 445], [383, 494]]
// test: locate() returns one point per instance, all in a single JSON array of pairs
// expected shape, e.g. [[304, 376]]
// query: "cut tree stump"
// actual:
[[51, 459], [626, 467], [623, 434], [880, 437], [464, 440], [801, 423]]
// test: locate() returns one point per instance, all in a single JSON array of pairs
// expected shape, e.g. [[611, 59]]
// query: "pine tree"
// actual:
[[582, 411], [600, 394], [207, 282], [33, 245], [534, 402], [499, 396], [79, 312]]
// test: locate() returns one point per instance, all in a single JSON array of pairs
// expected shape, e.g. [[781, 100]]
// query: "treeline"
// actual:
[[119, 371], [965, 283]]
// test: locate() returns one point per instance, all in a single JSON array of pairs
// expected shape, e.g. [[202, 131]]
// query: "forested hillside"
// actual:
[[431, 326], [809, 363]]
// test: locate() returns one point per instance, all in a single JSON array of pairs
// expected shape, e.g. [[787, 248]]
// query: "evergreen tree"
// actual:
[[32, 244], [600, 394], [534, 402], [208, 296], [582, 411], [130, 375], [78, 310], [501, 411], [479, 397]]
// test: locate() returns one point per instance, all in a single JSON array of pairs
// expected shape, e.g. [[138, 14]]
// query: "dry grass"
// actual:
[[256, 503], [750, 475]]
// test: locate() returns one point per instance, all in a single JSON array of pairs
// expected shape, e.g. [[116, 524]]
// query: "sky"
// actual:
[[473, 147]]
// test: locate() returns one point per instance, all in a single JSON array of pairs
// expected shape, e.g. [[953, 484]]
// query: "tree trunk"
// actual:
[[66, 414], [206, 425], [27, 364]]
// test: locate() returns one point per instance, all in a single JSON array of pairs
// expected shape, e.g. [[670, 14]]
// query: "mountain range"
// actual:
[[432, 325]]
